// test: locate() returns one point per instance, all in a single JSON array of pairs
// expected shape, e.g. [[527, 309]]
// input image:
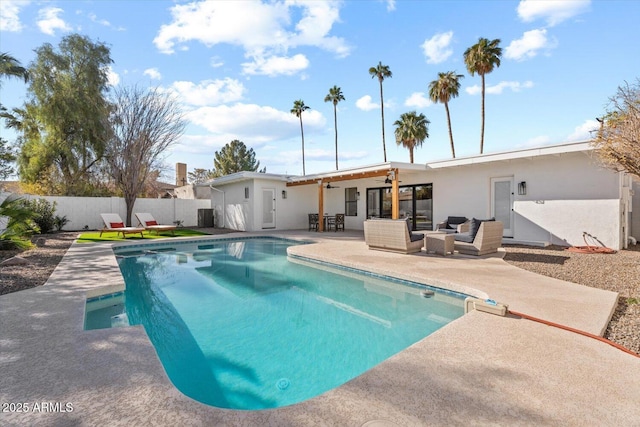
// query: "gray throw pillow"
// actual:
[[475, 226]]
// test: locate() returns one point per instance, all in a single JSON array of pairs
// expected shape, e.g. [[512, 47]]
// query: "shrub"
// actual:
[[60, 222], [20, 224], [43, 212]]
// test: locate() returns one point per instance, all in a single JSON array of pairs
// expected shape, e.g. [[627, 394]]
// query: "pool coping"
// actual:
[[113, 376]]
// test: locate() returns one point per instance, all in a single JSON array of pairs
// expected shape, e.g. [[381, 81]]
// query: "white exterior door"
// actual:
[[502, 203], [268, 208]]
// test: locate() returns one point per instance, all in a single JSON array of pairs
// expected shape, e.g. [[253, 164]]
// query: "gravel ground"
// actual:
[[618, 272]]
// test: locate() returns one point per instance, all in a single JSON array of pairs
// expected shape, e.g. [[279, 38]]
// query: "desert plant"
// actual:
[[60, 222], [19, 225]]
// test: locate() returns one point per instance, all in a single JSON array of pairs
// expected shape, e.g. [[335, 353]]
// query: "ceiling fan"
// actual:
[[329, 186], [389, 178]]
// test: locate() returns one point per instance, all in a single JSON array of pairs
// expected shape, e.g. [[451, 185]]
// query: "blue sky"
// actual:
[[238, 66]]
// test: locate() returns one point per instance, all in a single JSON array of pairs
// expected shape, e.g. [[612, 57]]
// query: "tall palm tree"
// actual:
[[481, 58], [10, 67], [442, 90], [298, 109], [335, 95], [411, 131], [381, 72]]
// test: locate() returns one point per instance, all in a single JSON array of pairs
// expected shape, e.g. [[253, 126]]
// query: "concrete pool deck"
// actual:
[[480, 369]]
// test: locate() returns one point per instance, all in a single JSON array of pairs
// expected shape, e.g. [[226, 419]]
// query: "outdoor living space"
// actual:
[[479, 369]]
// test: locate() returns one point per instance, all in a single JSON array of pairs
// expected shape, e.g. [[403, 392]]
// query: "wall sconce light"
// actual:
[[246, 192], [284, 194], [522, 188], [357, 195]]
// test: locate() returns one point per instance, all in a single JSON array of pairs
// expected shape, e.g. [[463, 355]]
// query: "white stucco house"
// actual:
[[547, 195]]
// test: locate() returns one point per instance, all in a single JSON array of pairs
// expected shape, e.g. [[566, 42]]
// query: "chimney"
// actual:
[[181, 174]]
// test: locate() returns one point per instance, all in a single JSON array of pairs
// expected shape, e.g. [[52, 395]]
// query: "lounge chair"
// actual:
[[484, 237], [113, 222], [147, 221], [392, 235]]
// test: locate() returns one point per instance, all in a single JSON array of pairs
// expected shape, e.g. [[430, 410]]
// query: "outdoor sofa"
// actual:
[[392, 235], [453, 224], [479, 237]]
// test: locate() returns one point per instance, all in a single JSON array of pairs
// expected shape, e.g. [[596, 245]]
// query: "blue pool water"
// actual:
[[239, 325]]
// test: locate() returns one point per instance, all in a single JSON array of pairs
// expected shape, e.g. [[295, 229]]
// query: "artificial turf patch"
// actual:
[[112, 236]]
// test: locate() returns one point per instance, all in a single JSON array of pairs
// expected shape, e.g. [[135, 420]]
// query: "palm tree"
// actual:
[[481, 58], [442, 90], [10, 67], [411, 131], [298, 108], [381, 72], [335, 95]]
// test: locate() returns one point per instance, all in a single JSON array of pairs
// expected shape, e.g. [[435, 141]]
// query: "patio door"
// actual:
[[502, 203], [268, 208]]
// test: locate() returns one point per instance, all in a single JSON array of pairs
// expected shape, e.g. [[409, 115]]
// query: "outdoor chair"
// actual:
[[113, 222], [484, 237], [313, 221], [147, 221], [339, 222], [392, 235], [453, 224]]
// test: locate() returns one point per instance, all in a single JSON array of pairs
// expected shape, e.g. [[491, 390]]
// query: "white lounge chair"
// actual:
[[113, 222], [147, 221]]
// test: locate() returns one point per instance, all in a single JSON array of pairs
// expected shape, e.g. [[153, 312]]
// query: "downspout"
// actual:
[[223, 202]]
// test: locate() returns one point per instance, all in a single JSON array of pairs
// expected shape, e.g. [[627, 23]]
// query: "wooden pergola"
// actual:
[[321, 182]]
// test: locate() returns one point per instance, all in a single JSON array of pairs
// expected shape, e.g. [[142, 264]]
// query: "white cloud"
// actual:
[[499, 88], [49, 21], [263, 29], [437, 49], [391, 5], [528, 46], [216, 62], [418, 100], [584, 131], [537, 141], [9, 15], [254, 123], [553, 11], [208, 92], [153, 73], [113, 78], [276, 65], [366, 104]]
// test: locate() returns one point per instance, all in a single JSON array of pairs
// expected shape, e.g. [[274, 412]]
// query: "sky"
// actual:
[[236, 68]]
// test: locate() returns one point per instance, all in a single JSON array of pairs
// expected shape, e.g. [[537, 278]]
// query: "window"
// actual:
[[351, 201], [415, 203]]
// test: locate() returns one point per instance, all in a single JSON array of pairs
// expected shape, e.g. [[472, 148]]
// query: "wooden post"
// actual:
[[320, 206], [395, 195]]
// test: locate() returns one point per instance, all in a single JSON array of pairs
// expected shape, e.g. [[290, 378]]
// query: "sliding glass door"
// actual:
[[416, 203]]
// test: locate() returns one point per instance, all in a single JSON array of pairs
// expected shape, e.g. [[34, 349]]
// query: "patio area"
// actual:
[[480, 369]]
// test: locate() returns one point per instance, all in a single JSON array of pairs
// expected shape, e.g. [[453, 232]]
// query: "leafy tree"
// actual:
[[481, 58], [145, 123], [7, 157], [411, 131], [298, 109], [67, 114], [200, 175], [381, 72], [234, 157], [442, 90], [11, 67], [618, 138], [334, 96]]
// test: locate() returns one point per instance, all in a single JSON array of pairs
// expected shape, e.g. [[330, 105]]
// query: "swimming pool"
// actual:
[[238, 324]]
